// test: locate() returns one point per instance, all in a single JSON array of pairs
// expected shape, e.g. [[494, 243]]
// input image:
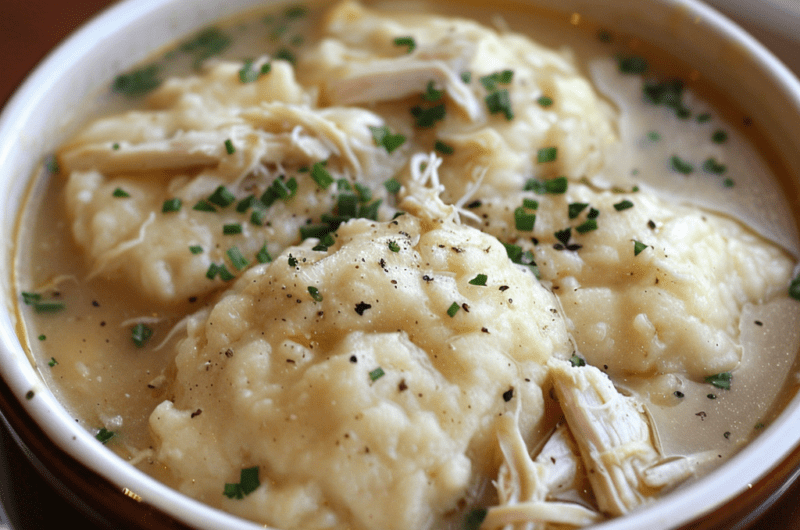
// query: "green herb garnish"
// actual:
[[237, 260], [632, 64], [221, 197], [140, 334], [453, 309], [104, 435], [721, 380], [248, 483], [553, 186], [321, 176], [120, 193], [638, 247], [575, 209], [680, 165], [623, 205], [314, 292], [546, 154], [383, 137], [171, 205], [480, 279], [376, 374], [443, 148], [137, 82], [232, 229], [408, 42], [523, 220]]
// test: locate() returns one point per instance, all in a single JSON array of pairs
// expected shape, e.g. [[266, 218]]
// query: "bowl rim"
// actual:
[[747, 486]]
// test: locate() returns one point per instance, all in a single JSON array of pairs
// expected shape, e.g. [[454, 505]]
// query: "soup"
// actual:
[[376, 268]]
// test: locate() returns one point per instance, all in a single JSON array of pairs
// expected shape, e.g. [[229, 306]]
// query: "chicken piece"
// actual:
[[625, 467], [529, 490]]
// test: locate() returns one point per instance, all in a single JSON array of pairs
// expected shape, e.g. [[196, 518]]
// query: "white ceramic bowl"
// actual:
[[36, 118]]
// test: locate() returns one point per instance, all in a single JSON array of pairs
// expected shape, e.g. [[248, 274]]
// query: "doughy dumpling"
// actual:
[[672, 308], [358, 62], [365, 381], [177, 151]]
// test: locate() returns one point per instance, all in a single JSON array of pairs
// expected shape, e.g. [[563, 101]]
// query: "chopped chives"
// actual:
[[523, 220], [546, 154], [480, 279], [574, 209], [431, 93], [222, 197], [712, 166], [499, 102], [104, 435], [321, 176], [530, 204], [545, 101], [314, 292], [376, 374], [263, 255], [443, 148], [232, 229], [204, 206], [719, 137], [140, 334], [553, 186], [680, 165], [623, 205], [171, 205], [120, 193], [229, 148], [392, 185], [257, 217], [408, 42], [238, 261], [384, 138], [453, 309], [196, 249], [587, 226], [427, 117]]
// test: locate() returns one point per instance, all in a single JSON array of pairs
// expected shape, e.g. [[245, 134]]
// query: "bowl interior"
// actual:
[[44, 110]]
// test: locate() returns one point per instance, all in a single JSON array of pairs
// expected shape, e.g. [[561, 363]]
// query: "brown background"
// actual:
[[28, 30]]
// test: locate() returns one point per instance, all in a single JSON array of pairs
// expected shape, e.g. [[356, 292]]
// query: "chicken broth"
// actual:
[[319, 253]]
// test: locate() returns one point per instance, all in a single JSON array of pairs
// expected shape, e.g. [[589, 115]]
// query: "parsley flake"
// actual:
[[314, 292], [680, 165], [546, 154], [140, 334], [480, 279], [574, 209], [523, 220], [408, 42], [721, 380], [638, 247], [623, 205], [383, 137], [453, 309], [171, 205], [104, 435], [376, 374]]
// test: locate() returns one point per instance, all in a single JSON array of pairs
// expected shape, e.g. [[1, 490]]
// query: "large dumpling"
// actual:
[[363, 381]]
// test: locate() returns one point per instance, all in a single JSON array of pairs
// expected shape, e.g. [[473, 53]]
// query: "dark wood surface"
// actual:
[[29, 29]]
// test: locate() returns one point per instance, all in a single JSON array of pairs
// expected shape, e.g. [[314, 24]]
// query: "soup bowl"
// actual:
[[47, 107]]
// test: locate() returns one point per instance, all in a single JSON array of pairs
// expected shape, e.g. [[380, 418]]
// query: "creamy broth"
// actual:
[[86, 354]]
